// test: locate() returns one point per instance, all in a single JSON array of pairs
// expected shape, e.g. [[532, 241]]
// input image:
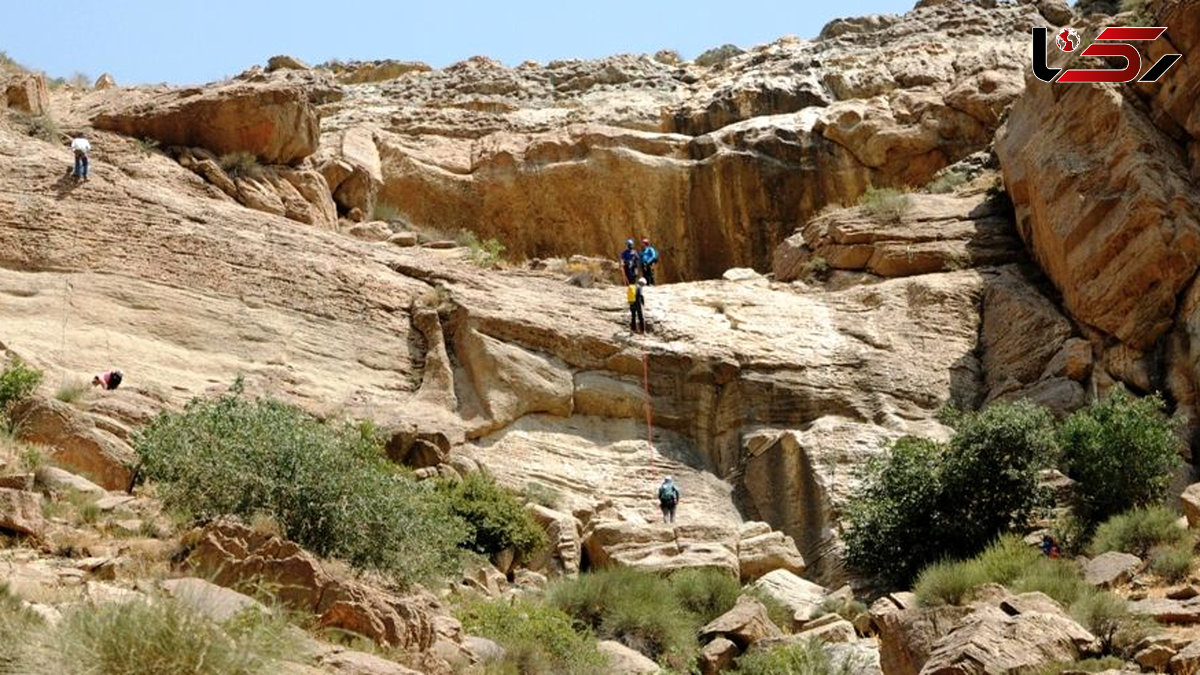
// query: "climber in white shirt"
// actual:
[[81, 147]]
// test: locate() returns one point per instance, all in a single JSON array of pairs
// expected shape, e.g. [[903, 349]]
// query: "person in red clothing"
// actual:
[[108, 381]]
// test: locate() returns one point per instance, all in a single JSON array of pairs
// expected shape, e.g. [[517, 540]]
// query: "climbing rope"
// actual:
[[646, 402]]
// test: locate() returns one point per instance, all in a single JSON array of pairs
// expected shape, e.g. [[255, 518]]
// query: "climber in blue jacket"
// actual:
[[649, 260]]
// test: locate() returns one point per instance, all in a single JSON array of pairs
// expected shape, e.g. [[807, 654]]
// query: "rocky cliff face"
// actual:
[[766, 392], [718, 159]]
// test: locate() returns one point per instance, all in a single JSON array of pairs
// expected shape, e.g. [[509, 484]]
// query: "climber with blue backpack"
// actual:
[[668, 499], [649, 260]]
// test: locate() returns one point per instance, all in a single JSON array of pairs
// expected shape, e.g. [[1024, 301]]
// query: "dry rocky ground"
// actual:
[[806, 326]]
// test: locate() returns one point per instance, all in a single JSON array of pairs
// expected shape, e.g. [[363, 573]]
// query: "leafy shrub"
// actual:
[[241, 164], [485, 253], [924, 501], [704, 593], [804, 658], [947, 182], [150, 638], [1058, 579], [634, 608], [1173, 563], [1121, 451], [1138, 531], [539, 639], [17, 381], [496, 519], [329, 488], [886, 204]]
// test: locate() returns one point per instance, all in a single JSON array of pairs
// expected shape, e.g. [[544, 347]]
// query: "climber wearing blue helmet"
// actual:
[[631, 262]]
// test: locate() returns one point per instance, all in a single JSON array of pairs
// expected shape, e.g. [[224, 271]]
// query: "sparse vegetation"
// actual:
[[147, 146], [805, 658], [1108, 617], [1139, 531], [1121, 451], [241, 164], [71, 391], [385, 211], [847, 608], [43, 127], [8, 64], [150, 638], [17, 381], [816, 268], [1173, 563], [538, 639], [485, 252], [778, 612], [654, 615], [1085, 666], [329, 488], [924, 501], [496, 519], [947, 182], [543, 495], [885, 204]]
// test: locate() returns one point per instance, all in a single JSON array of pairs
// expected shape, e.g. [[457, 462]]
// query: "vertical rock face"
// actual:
[[719, 159], [27, 93]]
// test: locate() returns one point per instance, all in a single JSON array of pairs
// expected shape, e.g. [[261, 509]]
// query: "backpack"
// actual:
[[631, 293], [114, 379], [667, 494]]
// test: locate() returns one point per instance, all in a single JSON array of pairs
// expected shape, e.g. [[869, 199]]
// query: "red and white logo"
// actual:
[[1112, 42], [1067, 39]]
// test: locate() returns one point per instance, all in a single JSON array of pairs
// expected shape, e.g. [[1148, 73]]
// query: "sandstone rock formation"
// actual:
[[75, 441], [27, 93], [274, 121], [720, 158]]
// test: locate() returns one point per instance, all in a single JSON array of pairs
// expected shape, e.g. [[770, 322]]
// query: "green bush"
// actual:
[[1121, 452], [1108, 617], [1007, 561], [71, 392], [847, 608], [780, 614], [635, 608], [1173, 563], [947, 182], [925, 501], [241, 164], [43, 127], [705, 593], [151, 638], [17, 381], [805, 658], [1138, 532], [329, 488], [539, 639], [485, 252], [886, 204], [385, 211], [496, 519]]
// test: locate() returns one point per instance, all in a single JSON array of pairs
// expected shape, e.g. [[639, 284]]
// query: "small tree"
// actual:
[[924, 501], [17, 381], [1121, 452]]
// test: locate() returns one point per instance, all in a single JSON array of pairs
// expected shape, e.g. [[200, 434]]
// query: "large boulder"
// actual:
[[662, 547], [273, 120], [907, 637], [993, 642], [762, 550], [1111, 568], [75, 442], [217, 603], [625, 661], [800, 596], [1189, 500], [21, 513], [744, 625], [232, 555], [563, 554], [27, 93]]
